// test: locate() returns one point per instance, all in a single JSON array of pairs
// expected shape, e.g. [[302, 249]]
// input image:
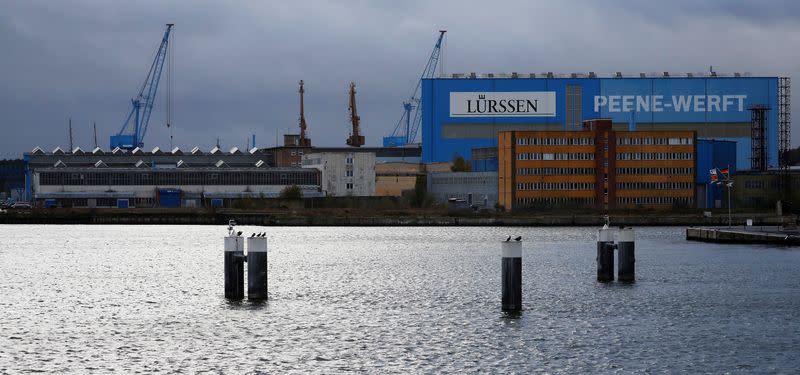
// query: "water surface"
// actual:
[[410, 300]]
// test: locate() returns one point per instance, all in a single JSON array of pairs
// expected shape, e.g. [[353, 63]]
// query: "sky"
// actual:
[[236, 64]]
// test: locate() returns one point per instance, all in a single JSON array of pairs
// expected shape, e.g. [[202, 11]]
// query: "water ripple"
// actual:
[[99, 299]]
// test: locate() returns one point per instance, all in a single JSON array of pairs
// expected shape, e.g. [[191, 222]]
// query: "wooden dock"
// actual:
[[774, 235]]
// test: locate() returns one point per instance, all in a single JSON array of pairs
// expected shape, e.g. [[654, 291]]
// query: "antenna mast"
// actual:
[[70, 135], [94, 125]]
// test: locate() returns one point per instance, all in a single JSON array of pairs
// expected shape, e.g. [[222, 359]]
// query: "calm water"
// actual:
[[411, 300]]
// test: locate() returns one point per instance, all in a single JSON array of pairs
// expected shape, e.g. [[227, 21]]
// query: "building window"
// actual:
[[573, 113], [348, 173], [349, 160], [349, 186]]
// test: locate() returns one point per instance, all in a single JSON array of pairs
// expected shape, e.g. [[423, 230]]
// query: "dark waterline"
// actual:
[[411, 300]]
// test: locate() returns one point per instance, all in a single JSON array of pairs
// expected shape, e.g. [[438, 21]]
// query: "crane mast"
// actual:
[[142, 105], [405, 132], [304, 142], [355, 139]]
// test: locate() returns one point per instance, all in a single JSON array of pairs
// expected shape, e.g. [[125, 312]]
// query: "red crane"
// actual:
[[304, 142], [355, 139]]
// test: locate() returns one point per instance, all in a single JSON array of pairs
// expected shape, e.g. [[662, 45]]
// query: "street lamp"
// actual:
[[729, 183]]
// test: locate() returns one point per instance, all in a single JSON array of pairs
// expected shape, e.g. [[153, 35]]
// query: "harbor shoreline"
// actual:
[[356, 217]]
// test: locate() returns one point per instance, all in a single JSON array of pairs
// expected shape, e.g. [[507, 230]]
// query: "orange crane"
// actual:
[[304, 142], [355, 139]]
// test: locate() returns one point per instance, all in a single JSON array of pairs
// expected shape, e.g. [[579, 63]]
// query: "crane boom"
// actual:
[[304, 141], [355, 139], [405, 132], [142, 105]]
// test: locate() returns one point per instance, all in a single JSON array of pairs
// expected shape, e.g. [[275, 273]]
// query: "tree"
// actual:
[[419, 197], [460, 165], [292, 193]]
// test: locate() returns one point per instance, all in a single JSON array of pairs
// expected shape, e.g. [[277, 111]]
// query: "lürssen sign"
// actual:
[[503, 104]]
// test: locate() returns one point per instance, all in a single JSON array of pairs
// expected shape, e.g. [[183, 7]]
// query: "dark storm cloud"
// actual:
[[236, 65]]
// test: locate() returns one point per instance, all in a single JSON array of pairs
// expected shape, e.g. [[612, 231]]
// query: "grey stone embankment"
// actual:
[[338, 218], [774, 235]]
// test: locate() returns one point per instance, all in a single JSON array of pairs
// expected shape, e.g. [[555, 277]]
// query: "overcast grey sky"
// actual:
[[237, 64]]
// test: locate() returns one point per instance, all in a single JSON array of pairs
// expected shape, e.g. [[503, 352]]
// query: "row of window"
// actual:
[[555, 156], [462, 180], [655, 170], [654, 141], [555, 186], [550, 201], [555, 141], [654, 185], [590, 141], [687, 201], [175, 177], [554, 171], [654, 156]]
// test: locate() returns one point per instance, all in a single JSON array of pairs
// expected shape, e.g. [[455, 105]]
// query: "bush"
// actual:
[[460, 165], [292, 193]]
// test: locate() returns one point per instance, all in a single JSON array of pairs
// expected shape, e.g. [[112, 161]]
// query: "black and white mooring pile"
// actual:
[[511, 274], [625, 246], [235, 258]]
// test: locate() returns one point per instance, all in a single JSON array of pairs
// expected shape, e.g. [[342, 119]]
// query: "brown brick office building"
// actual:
[[596, 167]]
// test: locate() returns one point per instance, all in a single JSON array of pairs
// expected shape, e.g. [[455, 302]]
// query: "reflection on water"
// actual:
[[149, 298]]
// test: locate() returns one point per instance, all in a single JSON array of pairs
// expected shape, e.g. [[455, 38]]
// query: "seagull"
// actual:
[[239, 233], [519, 238], [508, 239]]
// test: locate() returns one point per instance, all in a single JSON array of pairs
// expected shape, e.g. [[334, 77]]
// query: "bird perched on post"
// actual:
[[519, 238], [252, 235], [239, 233], [508, 239]]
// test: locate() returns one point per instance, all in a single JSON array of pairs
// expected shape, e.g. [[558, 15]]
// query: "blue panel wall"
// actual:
[[169, 198], [714, 154], [484, 165], [704, 100], [123, 203]]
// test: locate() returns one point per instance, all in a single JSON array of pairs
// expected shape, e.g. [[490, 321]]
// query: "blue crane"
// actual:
[[139, 117], [405, 132]]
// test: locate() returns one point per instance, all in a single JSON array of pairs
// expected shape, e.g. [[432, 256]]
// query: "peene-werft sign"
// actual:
[[503, 104]]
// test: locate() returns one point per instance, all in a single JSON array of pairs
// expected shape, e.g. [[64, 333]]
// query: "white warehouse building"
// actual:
[[344, 173]]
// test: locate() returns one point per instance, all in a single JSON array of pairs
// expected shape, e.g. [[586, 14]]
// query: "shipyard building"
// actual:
[[141, 179], [660, 134], [597, 167], [467, 111]]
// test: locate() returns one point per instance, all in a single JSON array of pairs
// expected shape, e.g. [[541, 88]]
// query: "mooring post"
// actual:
[[257, 268], [234, 267], [605, 255], [512, 275], [626, 260]]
